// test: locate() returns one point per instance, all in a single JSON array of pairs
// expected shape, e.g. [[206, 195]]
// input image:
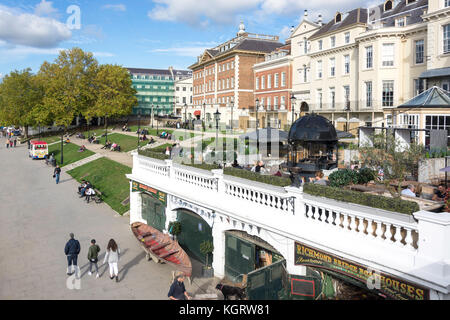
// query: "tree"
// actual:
[[396, 161], [69, 85], [115, 95], [21, 93]]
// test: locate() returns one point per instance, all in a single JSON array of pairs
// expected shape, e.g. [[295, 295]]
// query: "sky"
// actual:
[[142, 33]]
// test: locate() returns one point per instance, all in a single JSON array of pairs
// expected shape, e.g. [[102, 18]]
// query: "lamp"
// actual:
[[293, 100], [232, 106], [217, 118], [256, 109], [106, 127]]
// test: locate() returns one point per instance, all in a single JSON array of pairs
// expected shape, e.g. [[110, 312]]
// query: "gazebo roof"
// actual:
[[312, 128], [434, 97]]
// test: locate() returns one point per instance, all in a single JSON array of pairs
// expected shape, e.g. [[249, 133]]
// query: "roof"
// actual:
[[413, 10], [159, 72], [436, 73], [312, 128], [244, 44], [434, 97], [355, 16], [38, 142]]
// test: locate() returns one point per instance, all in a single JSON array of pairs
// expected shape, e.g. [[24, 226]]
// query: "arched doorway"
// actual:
[[194, 231], [304, 109]]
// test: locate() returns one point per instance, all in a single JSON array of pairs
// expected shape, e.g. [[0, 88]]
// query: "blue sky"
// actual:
[[146, 34]]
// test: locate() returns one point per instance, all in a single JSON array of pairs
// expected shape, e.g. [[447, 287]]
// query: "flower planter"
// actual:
[[207, 272]]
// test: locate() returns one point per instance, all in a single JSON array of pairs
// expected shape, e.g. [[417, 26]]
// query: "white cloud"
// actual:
[[115, 7], [202, 12], [199, 12], [31, 30], [285, 32], [45, 8]]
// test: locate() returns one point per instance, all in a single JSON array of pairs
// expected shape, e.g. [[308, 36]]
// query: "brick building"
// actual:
[[273, 86], [223, 79]]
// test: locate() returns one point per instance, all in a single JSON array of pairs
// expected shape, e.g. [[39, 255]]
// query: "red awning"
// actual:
[[197, 113]]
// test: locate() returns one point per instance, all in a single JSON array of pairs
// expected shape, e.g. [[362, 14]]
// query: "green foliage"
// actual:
[[115, 95], [206, 247], [244, 174], [344, 177], [70, 87], [203, 166], [175, 228], [365, 175], [370, 200], [154, 155], [161, 148]]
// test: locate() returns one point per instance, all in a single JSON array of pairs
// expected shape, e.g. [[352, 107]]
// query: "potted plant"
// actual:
[[207, 247], [174, 229]]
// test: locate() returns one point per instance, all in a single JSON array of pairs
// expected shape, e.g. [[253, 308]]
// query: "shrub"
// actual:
[[244, 174], [175, 228], [370, 200], [344, 177], [154, 155], [160, 149], [203, 166], [365, 175]]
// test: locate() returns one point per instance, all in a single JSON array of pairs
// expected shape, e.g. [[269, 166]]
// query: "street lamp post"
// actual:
[[153, 114], [157, 122], [139, 128], [257, 122], [232, 107], [204, 116], [185, 120], [217, 118], [293, 100]]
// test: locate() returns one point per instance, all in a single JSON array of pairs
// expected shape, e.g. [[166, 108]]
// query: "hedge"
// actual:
[[370, 200], [244, 174], [154, 155], [203, 166]]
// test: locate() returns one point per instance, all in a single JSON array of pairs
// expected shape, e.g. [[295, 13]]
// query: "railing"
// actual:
[[156, 166], [196, 177], [268, 197], [384, 228]]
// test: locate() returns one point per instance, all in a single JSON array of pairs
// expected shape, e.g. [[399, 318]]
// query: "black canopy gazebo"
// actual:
[[313, 145]]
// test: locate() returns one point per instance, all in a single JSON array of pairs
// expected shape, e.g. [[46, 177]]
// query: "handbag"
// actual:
[[54, 175]]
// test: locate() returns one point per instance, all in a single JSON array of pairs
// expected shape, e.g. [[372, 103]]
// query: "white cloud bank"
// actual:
[[30, 29]]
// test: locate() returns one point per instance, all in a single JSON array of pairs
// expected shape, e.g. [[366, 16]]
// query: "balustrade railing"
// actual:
[[195, 177], [276, 200], [156, 166], [380, 228]]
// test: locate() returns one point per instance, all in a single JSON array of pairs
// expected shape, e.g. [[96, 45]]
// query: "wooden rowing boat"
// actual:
[[161, 248]]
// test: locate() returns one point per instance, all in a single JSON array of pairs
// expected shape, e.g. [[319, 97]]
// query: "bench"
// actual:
[[98, 196]]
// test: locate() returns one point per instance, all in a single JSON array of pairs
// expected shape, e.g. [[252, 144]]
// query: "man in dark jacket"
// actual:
[[72, 250]]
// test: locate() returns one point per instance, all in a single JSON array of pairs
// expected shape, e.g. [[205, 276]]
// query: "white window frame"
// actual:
[[332, 67], [319, 69], [347, 37], [369, 94], [333, 41], [388, 58], [283, 79], [332, 97], [263, 84], [446, 38], [389, 102], [347, 64], [269, 81], [276, 80], [257, 83], [369, 57]]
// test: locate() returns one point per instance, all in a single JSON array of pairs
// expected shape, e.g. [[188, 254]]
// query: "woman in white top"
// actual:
[[112, 255]]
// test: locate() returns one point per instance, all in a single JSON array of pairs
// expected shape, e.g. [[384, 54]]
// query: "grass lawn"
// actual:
[[49, 139], [126, 143], [109, 177], [70, 154]]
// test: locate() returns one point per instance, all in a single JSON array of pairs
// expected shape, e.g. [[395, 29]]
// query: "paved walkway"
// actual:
[[36, 217]]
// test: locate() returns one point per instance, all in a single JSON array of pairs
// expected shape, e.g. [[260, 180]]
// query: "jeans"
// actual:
[[91, 263], [72, 259], [57, 178]]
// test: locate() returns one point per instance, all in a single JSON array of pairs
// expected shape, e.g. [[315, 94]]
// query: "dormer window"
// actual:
[[338, 17], [388, 5], [401, 22], [410, 1]]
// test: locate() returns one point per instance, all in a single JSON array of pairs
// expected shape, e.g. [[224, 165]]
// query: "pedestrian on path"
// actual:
[[177, 290], [112, 256], [7, 143], [57, 173], [10, 142], [72, 249], [15, 141], [93, 257]]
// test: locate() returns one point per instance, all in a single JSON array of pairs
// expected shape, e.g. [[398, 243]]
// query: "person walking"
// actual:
[[11, 142], [72, 249], [177, 290], [15, 140], [57, 173], [7, 143], [93, 257], [112, 256]]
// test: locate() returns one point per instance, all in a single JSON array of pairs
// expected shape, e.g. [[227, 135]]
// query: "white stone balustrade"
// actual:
[[415, 247]]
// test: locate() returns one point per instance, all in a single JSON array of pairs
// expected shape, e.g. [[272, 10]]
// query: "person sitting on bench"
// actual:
[[95, 140], [86, 187], [91, 138], [125, 127], [67, 141], [107, 145], [82, 186], [115, 147], [89, 193], [151, 141]]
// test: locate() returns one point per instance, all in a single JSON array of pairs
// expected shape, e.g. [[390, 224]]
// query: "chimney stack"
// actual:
[[320, 20]]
